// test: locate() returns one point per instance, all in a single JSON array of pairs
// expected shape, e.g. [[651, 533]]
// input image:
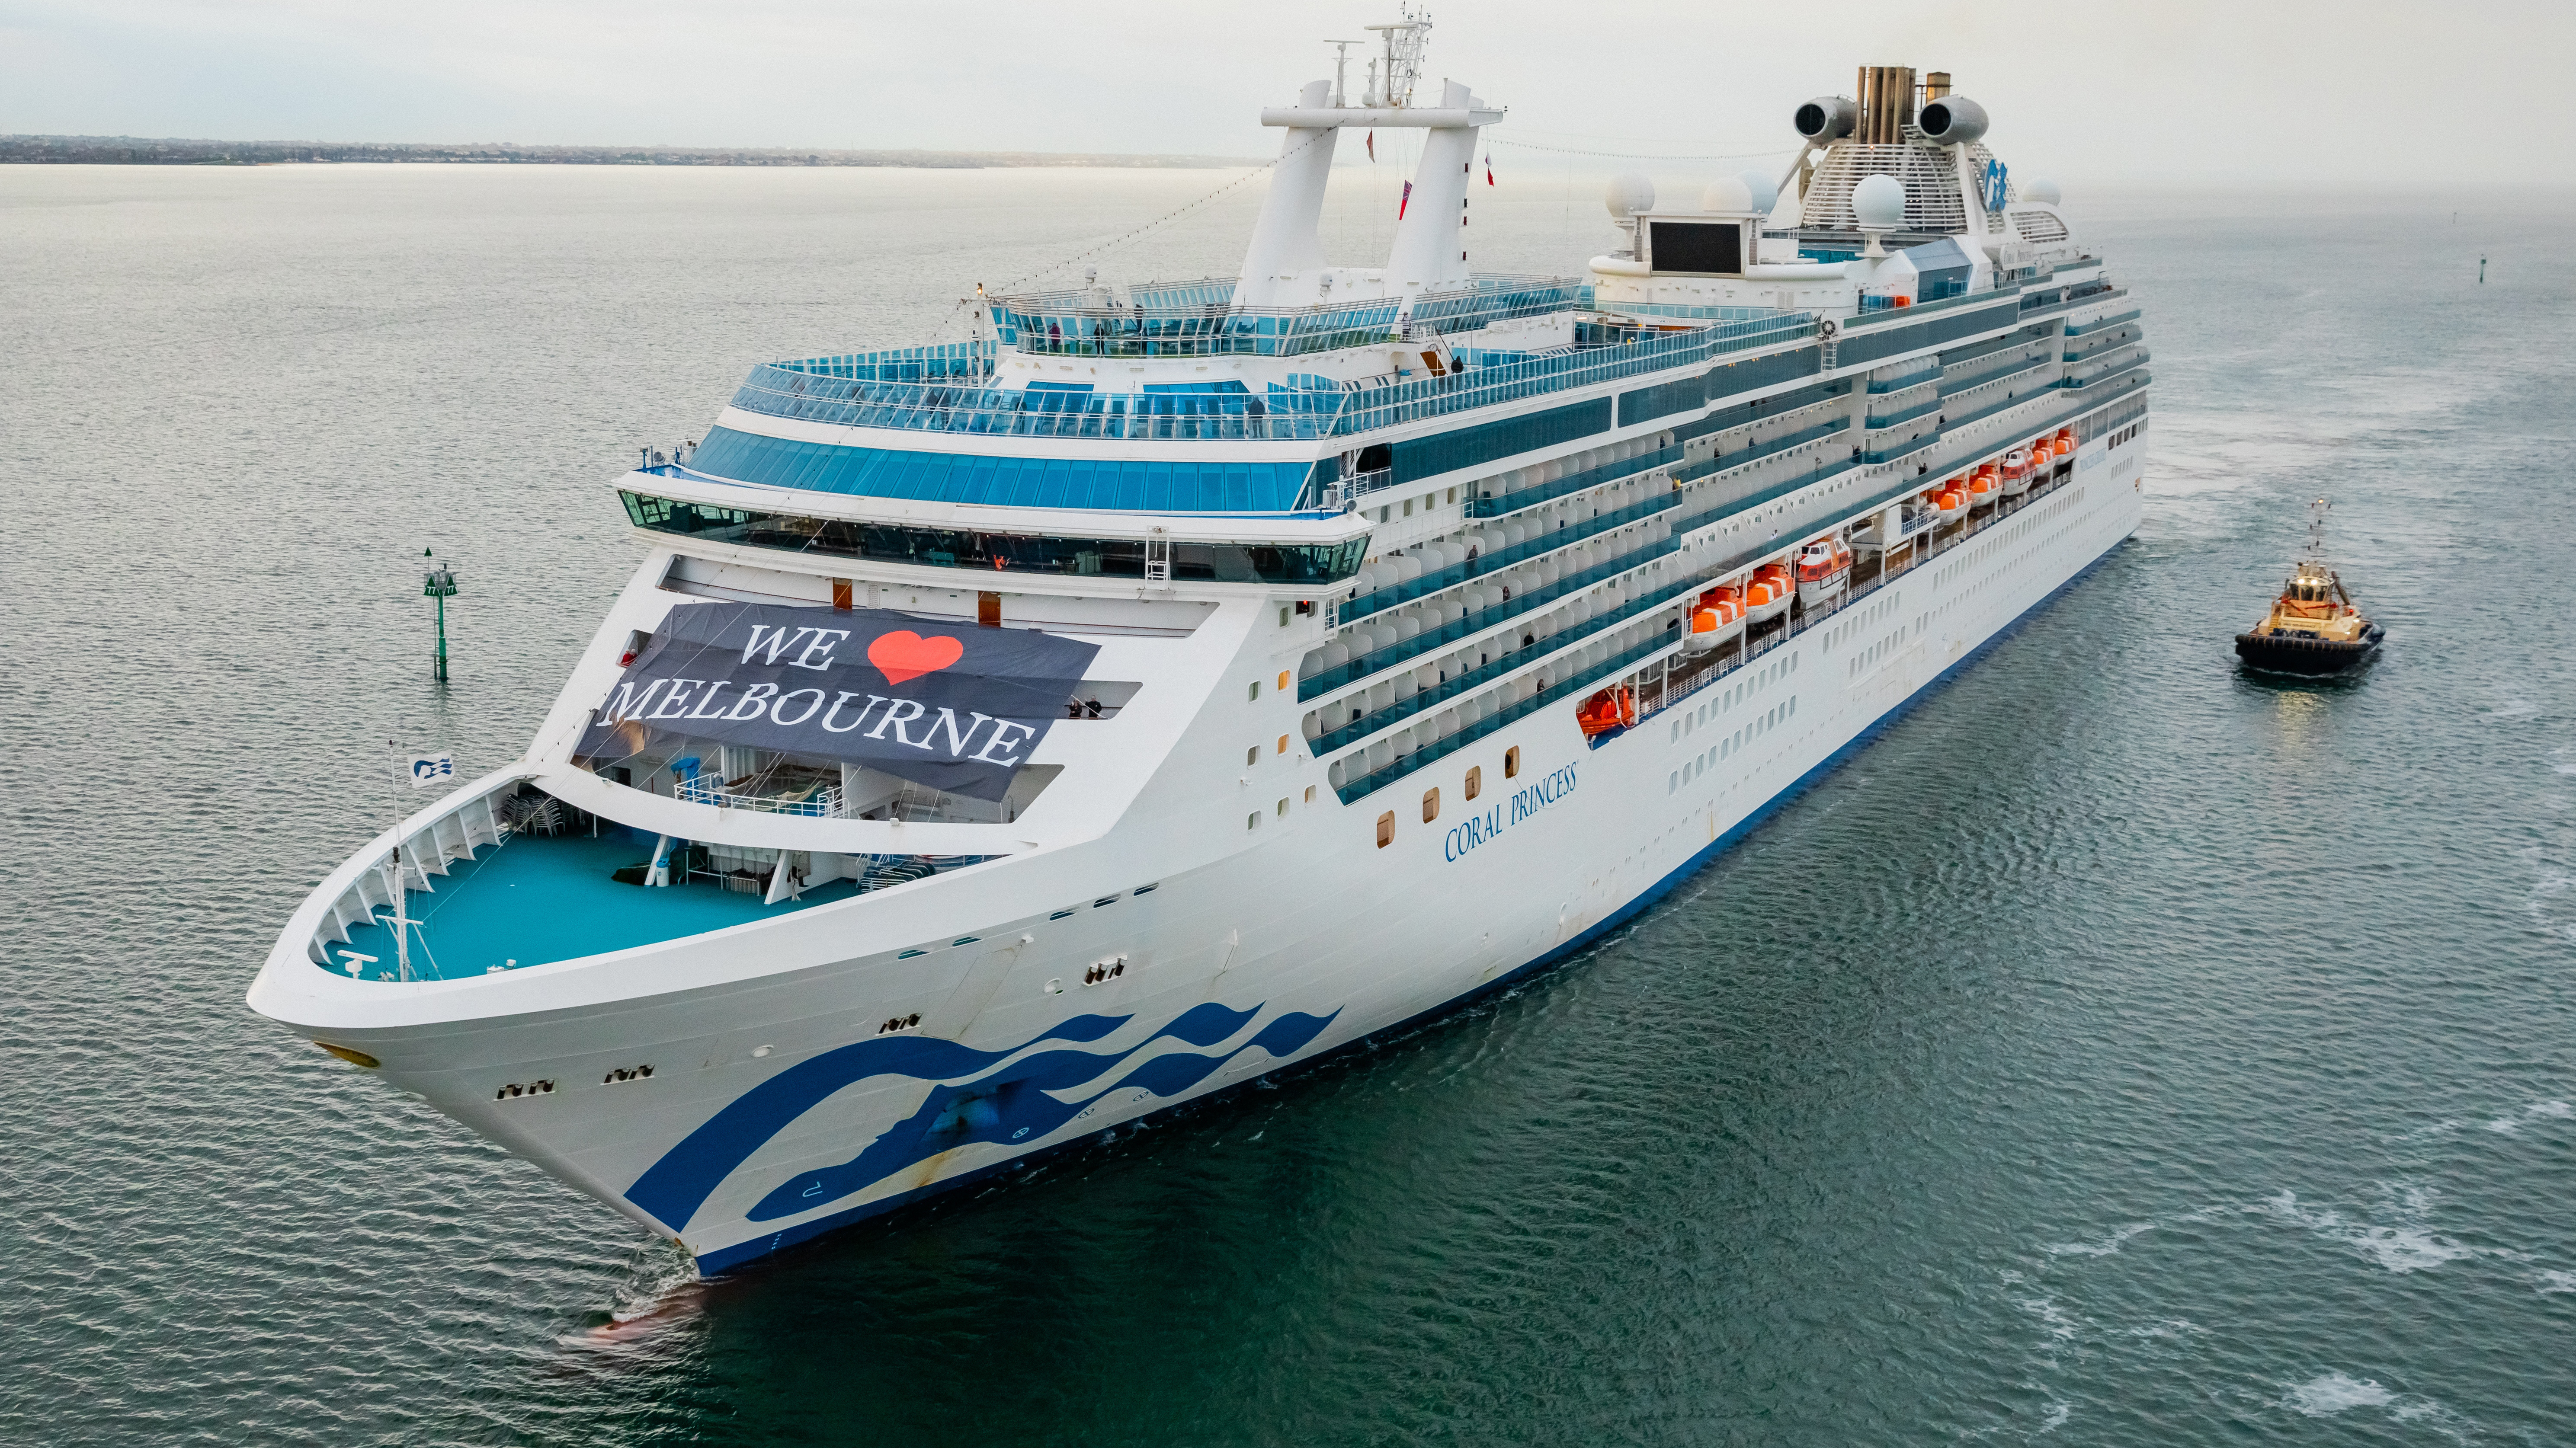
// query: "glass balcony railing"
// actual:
[[1324, 681], [1502, 664], [1201, 319], [1493, 506], [2078, 329], [854, 391], [1583, 679], [1501, 558], [1924, 408], [1510, 713]]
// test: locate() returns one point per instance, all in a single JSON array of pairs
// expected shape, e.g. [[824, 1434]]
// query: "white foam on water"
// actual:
[[2170, 1327], [2536, 1111], [2397, 1249], [2407, 1249], [2107, 1247], [2058, 1413], [2555, 1281], [2514, 709], [2060, 1326], [2335, 1393]]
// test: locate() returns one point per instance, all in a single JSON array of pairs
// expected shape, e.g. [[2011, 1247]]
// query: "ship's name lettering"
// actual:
[[1476, 829]]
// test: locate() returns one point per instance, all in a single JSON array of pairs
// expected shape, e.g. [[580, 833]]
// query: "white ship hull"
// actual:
[[772, 1082]]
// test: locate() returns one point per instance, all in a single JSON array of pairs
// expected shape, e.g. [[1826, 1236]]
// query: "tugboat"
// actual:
[[2314, 627]]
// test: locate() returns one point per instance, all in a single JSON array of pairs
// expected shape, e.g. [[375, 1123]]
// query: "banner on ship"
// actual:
[[958, 709]]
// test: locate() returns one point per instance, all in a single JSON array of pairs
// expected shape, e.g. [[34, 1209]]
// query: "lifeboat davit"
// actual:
[[1607, 710], [1767, 596], [1824, 571], [1715, 618]]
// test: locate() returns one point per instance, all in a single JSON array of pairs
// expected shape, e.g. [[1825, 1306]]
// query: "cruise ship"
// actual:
[[1008, 738]]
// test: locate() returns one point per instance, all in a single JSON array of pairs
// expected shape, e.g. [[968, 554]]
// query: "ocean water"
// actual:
[[2122, 1050]]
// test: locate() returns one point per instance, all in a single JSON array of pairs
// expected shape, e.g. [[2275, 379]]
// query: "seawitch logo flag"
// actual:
[[958, 709], [430, 769]]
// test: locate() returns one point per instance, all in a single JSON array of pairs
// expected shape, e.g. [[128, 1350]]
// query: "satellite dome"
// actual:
[[1878, 203], [1729, 195], [1629, 194], [1764, 190], [2041, 191]]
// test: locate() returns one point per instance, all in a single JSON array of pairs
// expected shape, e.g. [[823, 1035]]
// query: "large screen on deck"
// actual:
[[1696, 246]]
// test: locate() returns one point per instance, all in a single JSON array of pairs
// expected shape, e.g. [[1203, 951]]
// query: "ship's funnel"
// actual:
[[1827, 118], [1952, 121], [1886, 103]]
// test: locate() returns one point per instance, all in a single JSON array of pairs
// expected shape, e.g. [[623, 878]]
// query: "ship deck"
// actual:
[[534, 899]]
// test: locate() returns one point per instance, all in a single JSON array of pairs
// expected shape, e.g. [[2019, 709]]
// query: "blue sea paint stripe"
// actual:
[[1018, 1104], [673, 1188], [727, 1258]]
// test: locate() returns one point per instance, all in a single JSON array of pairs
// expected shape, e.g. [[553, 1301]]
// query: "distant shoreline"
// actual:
[[148, 151]]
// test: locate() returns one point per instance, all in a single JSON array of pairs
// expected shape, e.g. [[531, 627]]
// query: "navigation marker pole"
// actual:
[[439, 584], [402, 919]]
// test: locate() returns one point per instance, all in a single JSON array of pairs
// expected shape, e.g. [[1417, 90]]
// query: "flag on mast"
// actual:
[[430, 769], [1372, 145], [1489, 168], [1404, 201]]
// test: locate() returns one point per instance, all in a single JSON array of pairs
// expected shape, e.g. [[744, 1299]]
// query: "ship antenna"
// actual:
[[1404, 42], [1341, 69], [2317, 531]]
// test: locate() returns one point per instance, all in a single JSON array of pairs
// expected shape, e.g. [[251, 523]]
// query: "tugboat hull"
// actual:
[[2312, 657]]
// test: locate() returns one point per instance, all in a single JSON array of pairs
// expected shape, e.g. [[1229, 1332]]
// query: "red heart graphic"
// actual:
[[904, 654]]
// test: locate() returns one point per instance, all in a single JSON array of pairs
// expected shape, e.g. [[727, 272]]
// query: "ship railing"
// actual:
[[1813, 617], [1608, 672], [1380, 600], [819, 392], [1202, 319], [1343, 493], [821, 803]]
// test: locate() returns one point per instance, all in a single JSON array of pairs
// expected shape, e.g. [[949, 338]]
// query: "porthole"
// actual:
[[1474, 784], [1386, 829], [1512, 762]]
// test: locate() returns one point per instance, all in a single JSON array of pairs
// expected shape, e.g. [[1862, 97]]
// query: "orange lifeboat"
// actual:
[[1713, 619], [1824, 570], [1767, 596], [2063, 445], [1607, 710], [2013, 478], [1952, 505], [1983, 489]]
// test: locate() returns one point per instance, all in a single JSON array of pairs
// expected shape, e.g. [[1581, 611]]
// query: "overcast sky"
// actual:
[[2419, 96]]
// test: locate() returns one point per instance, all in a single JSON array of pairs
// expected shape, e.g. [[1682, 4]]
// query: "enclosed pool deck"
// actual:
[[534, 899]]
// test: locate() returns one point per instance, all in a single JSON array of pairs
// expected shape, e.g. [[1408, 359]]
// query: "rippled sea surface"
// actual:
[[2122, 1050]]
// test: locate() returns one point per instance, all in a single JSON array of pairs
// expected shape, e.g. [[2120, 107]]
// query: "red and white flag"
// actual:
[[1489, 168], [1404, 201]]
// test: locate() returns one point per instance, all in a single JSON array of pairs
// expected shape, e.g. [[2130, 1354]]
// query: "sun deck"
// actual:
[[533, 899]]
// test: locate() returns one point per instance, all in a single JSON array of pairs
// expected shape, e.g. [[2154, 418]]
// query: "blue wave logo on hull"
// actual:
[[1010, 1105]]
